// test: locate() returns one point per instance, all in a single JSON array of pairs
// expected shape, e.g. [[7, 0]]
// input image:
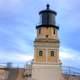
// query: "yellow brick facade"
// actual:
[[40, 58], [47, 58], [46, 44], [42, 32]]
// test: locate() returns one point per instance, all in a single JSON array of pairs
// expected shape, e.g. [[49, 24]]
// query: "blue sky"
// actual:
[[18, 19]]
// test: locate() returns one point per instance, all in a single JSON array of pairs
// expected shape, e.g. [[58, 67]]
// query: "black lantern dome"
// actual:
[[47, 18]]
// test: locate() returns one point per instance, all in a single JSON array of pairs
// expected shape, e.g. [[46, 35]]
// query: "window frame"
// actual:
[[40, 31], [46, 36], [40, 53], [51, 53], [54, 31]]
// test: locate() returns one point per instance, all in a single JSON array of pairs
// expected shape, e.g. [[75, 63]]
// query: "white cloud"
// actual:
[[66, 55], [23, 58], [15, 57], [69, 57]]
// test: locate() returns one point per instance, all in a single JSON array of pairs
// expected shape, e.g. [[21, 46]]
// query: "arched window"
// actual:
[[46, 36], [52, 53], [40, 53], [54, 31], [29, 75], [39, 31]]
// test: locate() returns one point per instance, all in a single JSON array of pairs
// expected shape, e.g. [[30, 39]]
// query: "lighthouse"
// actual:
[[47, 65]]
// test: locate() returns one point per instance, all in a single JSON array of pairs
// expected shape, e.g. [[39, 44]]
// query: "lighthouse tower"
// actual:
[[47, 65]]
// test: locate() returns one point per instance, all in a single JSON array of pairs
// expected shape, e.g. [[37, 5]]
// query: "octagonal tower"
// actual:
[[47, 65]]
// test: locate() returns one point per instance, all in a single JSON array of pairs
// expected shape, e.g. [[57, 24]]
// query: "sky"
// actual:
[[18, 20]]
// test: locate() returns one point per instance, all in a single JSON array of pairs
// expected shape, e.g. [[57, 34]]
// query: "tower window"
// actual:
[[40, 53], [46, 36], [52, 53], [29, 75], [39, 31], [54, 31]]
